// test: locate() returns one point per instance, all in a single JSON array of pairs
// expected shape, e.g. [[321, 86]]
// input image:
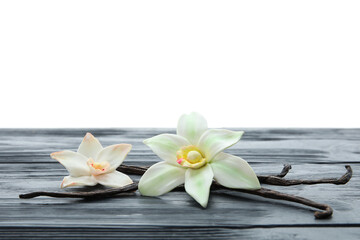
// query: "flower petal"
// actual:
[[78, 181], [114, 155], [234, 172], [166, 146], [74, 162], [161, 178], [90, 146], [198, 182], [192, 126], [113, 179], [214, 141]]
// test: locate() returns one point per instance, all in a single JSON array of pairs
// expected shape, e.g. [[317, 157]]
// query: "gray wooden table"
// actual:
[[25, 166]]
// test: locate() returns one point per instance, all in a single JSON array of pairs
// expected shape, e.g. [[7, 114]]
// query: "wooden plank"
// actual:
[[314, 153], [181, 233]]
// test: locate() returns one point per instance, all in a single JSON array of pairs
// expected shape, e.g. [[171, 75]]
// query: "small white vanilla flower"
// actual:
[[194, 156], [93, 164]]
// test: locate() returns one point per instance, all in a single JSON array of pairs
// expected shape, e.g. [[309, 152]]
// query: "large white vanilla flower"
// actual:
[[194, 156], [93, 164]]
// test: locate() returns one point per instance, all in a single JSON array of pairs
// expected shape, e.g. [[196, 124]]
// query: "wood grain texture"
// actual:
[[313, 153]]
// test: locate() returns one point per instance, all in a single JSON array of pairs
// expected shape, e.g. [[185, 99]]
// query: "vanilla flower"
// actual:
[[93, 164], [194, 156]]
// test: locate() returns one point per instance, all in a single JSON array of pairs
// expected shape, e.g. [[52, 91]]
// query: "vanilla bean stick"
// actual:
[[263, 192], [94, 194], [110, 192], [270, 179], [284, 171], [268, 193], [273, 180], [129, 169]]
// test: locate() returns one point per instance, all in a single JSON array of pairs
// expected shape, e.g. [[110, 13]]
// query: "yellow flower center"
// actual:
[[190, 156], [97, 168]]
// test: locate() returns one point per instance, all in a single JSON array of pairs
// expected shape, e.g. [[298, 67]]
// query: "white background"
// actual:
[[144, 63]]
